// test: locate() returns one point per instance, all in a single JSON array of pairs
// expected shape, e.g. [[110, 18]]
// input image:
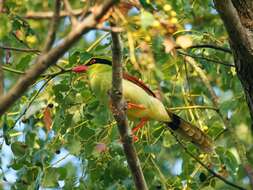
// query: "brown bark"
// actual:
[[1, 75], [237, 16], [118, 108]]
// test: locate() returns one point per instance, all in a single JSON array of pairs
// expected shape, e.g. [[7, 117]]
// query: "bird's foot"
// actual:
[[135, 129]]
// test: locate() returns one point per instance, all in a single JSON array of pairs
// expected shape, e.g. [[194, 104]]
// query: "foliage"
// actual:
[[58, 135]]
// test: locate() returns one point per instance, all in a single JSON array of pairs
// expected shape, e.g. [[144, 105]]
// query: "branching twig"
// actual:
[[211, 46], [206, 58], [110, 29], [203, 77], [52, 31], [49, 58], [70, 11], [206, 167], [20, 49], [118, 107]]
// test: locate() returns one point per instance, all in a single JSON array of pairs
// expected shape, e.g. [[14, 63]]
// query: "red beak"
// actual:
[[80, 69]]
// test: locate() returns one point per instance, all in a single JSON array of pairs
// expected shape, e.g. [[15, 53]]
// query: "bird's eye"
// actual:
[[93, 61]]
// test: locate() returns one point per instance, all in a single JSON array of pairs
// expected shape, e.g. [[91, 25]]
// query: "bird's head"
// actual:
[[90, 62]]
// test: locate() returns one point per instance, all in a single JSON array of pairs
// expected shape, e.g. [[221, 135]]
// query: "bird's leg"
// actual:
[[135, 106], [140, 125], [143, 121]]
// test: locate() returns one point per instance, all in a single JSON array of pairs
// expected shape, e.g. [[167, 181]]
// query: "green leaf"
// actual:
[[84, 56], [24, 62], [118, 170], [61, 87], [147, 5], [5, 26], [50, 178], [86, 132], [62, 171], [168, 139], [19, 149], [147, 19], [73, 58], [231, 161], [74, 146], [6, 131], [228, 159]]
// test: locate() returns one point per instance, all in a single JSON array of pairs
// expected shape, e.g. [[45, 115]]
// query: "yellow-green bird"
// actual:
[[142, 103]]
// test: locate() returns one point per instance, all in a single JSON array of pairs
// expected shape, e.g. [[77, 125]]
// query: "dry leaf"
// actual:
[[184, 41], [47, 118], [169, 45], [101, 147]]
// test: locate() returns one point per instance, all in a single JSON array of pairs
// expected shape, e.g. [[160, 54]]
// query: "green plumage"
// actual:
[[135, 92], [100, 76]]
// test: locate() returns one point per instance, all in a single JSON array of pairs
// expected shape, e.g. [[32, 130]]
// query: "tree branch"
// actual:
[[206, 58], [47, 59], [204, 78], [49, 15], [2, 5], [211, 46], [1, 76], [20, 49], [120, 115], [52, 31]]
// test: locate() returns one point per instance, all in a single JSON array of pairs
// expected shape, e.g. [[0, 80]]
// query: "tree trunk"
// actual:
[[237, 16]]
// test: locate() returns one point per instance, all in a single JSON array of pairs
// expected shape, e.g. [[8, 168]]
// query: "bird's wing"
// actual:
[[139, 83]]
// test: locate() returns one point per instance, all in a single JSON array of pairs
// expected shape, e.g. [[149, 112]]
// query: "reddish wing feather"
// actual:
[[139, 83]]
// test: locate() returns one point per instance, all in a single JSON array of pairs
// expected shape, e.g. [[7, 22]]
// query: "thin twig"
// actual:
[[211, 46], [206, 167], [192, 107], [20, 49], [204, 78], [118, 109], [206, 58], [52, 31], [96, 43], [58, 161], [110, 29], [18, 72]]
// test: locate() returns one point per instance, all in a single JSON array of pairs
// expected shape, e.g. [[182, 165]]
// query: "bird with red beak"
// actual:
[[142, 103]]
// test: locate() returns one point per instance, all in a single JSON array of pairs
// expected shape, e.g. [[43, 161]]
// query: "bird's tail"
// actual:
[[190, 132]]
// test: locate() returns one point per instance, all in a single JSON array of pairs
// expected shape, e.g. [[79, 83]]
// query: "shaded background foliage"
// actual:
[[59, 136]]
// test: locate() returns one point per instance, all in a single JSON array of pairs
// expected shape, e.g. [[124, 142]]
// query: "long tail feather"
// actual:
[[190, 132]]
